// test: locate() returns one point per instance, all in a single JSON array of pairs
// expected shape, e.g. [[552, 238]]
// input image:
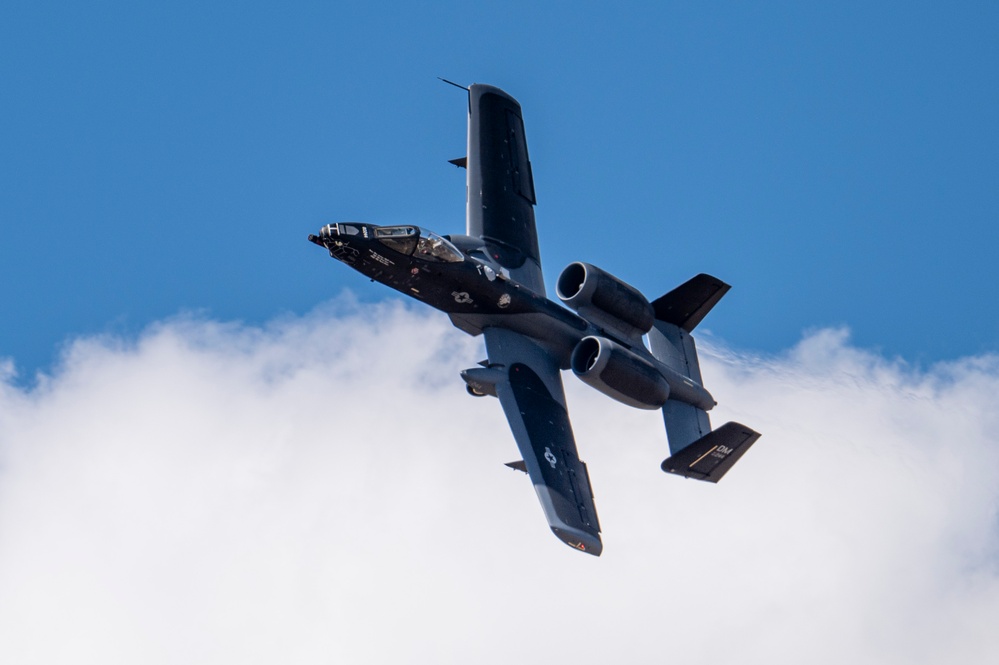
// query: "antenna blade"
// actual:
[[453, 83]]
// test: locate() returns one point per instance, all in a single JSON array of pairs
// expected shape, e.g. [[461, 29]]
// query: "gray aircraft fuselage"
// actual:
[[469, 286], [472, 288]]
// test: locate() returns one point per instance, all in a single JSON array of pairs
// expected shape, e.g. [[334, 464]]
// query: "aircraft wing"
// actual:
[[534, 402], [500, 184]]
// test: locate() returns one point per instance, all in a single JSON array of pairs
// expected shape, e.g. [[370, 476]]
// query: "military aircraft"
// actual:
[[489, 282]]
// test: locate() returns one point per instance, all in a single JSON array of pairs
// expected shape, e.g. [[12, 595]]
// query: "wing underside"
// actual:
[[534, 403], [501, 185], [501, 212]]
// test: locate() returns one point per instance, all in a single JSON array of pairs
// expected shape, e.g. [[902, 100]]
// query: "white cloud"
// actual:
[[323, 490]]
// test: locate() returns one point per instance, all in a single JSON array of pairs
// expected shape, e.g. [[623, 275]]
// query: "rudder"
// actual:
[[710, 457]]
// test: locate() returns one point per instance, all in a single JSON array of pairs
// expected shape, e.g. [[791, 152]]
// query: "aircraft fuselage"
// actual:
[[470, 287]]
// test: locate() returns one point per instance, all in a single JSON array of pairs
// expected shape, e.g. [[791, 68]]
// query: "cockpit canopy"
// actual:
[[419, 243]]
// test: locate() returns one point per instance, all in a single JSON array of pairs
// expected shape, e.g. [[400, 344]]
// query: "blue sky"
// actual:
[[837, 165]]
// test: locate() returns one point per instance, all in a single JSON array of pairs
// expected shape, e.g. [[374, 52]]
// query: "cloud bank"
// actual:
[[323, 490]]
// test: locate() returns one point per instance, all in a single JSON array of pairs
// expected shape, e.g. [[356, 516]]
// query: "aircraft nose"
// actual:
[[325, 233]]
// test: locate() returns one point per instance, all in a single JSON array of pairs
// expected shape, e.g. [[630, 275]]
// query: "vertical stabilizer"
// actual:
[[688, 304], [695, 450], [710, 457]]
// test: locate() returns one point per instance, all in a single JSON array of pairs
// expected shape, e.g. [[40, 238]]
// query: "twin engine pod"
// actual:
[[618, 373], [622, 312], [605, 301]]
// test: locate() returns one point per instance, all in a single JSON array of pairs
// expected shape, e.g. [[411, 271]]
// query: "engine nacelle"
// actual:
[[618, 373], [605, 301]]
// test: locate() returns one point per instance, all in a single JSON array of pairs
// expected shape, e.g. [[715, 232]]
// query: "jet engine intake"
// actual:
[[619, 373], [605, 301]]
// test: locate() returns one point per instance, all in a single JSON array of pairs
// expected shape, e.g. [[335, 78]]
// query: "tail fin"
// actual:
[[710, 457], [686, 305], [677, 314], [696, 451]]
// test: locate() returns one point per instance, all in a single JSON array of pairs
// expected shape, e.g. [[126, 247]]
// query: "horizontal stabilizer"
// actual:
[[710, 457], [461, 162], [519, 465], [688, 304]]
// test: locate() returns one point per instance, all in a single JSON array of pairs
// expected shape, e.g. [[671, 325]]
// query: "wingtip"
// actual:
[[580, 541]]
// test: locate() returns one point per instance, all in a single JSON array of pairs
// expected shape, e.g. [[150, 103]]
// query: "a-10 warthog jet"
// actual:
[[489, 282]]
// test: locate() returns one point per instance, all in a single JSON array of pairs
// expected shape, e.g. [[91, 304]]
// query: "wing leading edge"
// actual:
[[534, 403]]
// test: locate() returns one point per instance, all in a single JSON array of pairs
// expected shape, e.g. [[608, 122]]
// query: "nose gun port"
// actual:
[[325, 233]]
